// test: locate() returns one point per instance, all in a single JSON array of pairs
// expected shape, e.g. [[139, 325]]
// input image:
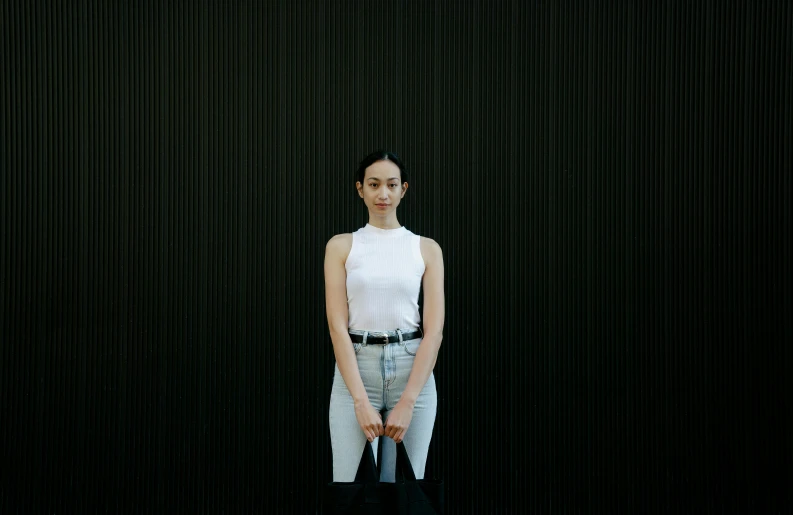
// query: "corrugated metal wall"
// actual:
[[610, 183]]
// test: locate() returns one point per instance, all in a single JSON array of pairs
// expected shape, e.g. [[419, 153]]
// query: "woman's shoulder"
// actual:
[[340, 244], [430, 249], [340, 240], [429, 243]]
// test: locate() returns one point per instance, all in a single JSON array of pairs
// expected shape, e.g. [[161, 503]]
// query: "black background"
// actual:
[[609, 181]]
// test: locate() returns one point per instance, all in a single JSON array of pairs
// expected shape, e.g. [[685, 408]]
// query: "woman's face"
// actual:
[[382, 187]]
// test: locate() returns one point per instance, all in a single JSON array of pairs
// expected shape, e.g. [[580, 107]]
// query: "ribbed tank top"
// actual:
[[384, 271]]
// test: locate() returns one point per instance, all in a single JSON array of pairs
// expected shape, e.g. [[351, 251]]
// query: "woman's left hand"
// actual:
[[398, 421]]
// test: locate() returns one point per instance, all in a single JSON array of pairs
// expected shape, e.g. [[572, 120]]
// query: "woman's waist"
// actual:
[[384, 337], [377, 320]]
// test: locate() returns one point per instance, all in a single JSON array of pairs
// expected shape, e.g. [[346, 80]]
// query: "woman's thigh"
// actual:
[[347, 439], [419, 434], [385, 371]]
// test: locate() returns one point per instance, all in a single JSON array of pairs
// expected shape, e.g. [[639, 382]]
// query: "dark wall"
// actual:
[[610, 184]]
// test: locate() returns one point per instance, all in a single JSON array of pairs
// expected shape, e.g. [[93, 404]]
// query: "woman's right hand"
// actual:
[[370, 420]]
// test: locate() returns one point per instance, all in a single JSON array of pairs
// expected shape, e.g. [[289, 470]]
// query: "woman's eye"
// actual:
[[392, 186], [372, 185]]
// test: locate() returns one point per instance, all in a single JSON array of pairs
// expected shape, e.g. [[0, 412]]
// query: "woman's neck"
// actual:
[[390, 222]]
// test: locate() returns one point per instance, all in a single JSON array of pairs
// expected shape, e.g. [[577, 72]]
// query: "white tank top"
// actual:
[[384, 271]]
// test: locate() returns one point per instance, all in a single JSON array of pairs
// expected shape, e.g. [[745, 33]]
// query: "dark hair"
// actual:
[[380, 155]]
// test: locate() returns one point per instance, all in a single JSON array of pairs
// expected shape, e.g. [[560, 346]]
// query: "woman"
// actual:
[[383, 383]]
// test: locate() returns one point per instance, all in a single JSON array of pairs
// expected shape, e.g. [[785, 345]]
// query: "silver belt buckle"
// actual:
[[379, 336]]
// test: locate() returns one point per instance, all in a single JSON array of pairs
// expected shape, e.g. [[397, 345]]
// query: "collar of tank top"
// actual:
[[384, 232]]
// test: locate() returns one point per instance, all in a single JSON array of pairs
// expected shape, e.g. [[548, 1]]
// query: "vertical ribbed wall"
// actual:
[[610, 184]]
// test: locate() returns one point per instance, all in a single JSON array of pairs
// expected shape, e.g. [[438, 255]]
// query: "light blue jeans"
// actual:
[[385, 370]]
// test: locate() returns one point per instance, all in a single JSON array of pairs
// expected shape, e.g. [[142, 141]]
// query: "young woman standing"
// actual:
[[385, 350]]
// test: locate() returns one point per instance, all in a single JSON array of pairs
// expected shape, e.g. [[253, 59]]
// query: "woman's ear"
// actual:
[[359, 187], [404, 189]]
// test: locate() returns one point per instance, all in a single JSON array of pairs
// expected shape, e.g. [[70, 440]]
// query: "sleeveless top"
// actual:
[[384, 272]]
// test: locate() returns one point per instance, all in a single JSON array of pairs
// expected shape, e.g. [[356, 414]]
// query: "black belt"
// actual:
[[384, 337]]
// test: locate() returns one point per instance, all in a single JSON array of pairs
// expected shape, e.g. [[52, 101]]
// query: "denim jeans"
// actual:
[[385, 370]]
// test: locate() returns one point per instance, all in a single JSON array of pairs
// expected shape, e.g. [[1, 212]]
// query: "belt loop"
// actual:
[[365, 334], [399, 333]]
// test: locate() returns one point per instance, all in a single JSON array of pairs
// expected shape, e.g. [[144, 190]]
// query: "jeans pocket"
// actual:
[[412, 346]]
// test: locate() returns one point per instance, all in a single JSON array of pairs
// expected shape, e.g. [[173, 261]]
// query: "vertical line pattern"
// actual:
[[610, 184]]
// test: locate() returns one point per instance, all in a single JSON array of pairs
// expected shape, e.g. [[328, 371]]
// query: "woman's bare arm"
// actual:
[[424, 362], [336, 252]]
